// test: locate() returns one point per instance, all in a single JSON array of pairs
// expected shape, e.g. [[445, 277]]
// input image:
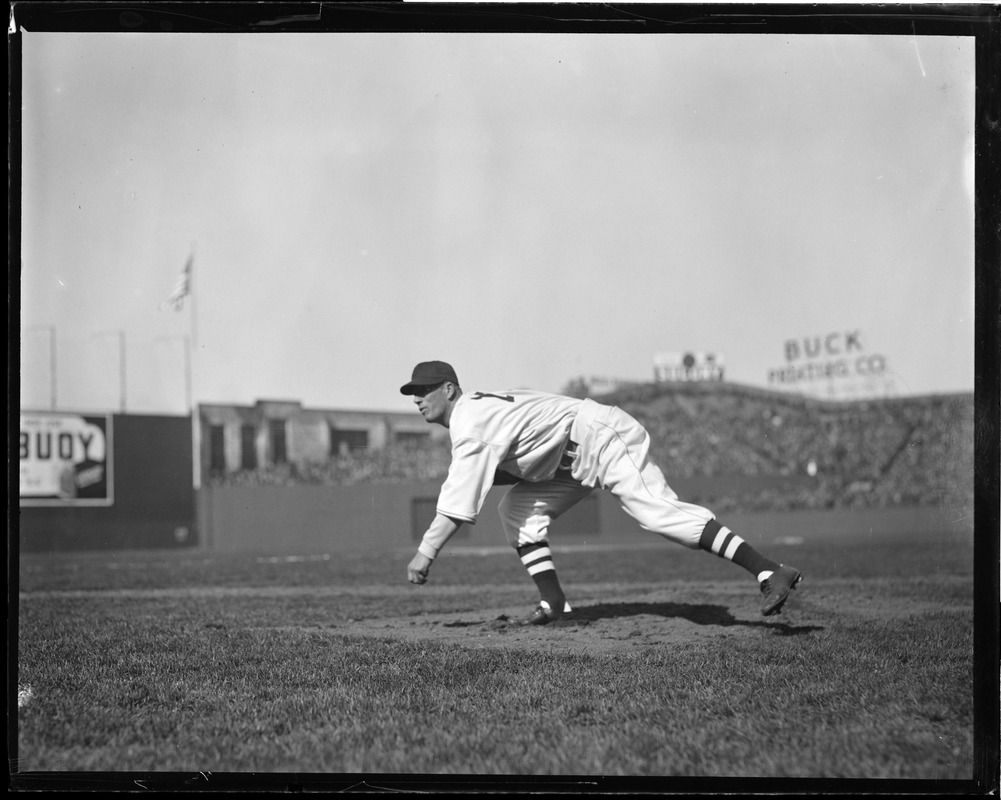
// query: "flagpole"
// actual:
[[196, 477], [187, 373]]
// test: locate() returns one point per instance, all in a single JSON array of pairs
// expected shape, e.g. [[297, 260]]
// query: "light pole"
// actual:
[[52, 360], [121, 362]]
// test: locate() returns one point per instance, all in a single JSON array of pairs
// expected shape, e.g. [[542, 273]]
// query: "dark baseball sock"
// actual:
[[538, 560], [726, 544]]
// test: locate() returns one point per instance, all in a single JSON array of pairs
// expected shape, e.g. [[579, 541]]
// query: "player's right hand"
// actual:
[[417, 569]]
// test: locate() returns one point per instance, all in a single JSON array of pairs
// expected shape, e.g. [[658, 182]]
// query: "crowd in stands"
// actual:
[[821, 454], [403, 462]]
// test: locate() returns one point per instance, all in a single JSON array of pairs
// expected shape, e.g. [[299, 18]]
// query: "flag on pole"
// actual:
[[175, 302]]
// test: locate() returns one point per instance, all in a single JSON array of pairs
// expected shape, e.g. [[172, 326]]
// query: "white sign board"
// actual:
[[691, 366], [65, 459]]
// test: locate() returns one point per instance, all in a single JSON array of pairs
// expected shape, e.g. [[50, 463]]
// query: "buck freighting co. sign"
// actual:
[[833, 356]]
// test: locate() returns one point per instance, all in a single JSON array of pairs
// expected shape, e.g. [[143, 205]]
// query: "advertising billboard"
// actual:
[[836, 364], [65, 459], [671, 367]]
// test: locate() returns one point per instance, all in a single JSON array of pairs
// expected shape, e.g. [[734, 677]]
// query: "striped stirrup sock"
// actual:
[[726, 544], [538, 560]]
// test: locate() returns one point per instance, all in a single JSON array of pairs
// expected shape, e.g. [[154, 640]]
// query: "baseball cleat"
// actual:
[[776, 588], [543, 615]]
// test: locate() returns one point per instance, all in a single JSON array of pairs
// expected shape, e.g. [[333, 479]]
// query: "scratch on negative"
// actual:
[[917, 52]]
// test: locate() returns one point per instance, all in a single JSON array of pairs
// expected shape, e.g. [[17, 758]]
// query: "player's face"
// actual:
[[432, 402]]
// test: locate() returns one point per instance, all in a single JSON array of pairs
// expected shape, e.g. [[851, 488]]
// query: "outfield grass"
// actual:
[[184, 662]]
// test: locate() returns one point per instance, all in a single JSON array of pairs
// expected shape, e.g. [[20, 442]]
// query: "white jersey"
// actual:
[[521, 432]]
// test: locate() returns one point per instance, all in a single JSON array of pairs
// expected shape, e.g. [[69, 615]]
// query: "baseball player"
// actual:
[[556, 450]]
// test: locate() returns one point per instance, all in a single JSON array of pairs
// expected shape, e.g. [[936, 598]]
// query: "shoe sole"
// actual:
[[538, 621], [544, 619], [777, 607]]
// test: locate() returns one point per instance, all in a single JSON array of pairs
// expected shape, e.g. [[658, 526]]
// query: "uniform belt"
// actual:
[[569, 452]]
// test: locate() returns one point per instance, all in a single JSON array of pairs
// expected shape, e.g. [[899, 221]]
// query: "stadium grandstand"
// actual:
[[767, 450]]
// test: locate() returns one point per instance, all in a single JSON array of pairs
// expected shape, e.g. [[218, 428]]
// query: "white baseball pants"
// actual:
[[612, 454]]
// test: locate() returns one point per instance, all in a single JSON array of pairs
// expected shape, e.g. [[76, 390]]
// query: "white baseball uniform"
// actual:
[[562, 448]]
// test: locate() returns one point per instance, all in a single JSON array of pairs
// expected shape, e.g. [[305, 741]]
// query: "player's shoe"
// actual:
[[776, 588], [545, 614]]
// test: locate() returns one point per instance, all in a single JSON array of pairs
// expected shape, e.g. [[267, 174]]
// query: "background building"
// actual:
[[272, 432]]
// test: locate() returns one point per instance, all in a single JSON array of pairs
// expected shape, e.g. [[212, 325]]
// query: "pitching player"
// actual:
[[556, 450]]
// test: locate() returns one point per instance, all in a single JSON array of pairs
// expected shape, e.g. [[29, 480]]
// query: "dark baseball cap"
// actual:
[[429, 373]]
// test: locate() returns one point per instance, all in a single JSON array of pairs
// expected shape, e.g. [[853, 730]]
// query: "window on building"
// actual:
[[279, 451], [217, 449], [248, 447], [343, 442]]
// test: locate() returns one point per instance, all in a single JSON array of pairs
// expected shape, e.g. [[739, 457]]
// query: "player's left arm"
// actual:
[[441, 529]]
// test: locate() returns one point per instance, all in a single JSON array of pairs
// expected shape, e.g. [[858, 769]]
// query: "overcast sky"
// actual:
[[529, 207]]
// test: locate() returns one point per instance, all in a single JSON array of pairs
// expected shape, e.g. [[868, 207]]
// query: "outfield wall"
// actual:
[[309, 520], [152, 502]]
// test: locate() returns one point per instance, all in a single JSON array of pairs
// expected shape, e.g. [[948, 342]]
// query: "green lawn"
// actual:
[[178, 662]]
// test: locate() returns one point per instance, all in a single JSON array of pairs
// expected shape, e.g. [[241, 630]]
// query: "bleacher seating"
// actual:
[[890, 452]]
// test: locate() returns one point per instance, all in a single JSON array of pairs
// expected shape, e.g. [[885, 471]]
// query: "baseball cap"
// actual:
[[429, 373]]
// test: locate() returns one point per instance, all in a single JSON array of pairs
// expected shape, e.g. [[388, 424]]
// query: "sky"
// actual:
[[529, 207]]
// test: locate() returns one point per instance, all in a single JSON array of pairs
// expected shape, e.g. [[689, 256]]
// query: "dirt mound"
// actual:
[[609, 624], [621, 618]]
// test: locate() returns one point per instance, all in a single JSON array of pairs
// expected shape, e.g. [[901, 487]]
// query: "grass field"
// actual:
[[215, 665]]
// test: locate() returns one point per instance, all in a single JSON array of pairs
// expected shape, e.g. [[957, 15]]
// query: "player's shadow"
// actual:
[[702, 614], [718, 616]]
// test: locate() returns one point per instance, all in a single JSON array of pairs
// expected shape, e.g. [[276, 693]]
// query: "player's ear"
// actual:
[[451, 390]]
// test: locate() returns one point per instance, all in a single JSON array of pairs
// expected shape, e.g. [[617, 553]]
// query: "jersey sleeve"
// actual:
[[470, 476]]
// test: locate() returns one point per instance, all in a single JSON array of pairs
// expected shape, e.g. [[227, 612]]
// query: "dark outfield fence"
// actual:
[[153, 497], [313, 520], [156, 507], [803, 468]]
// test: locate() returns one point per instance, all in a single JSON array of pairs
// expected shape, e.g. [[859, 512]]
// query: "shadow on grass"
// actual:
[[702, 614], [699, 614]]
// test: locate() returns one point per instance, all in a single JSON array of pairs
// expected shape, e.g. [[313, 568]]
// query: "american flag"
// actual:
[[175, 302]]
